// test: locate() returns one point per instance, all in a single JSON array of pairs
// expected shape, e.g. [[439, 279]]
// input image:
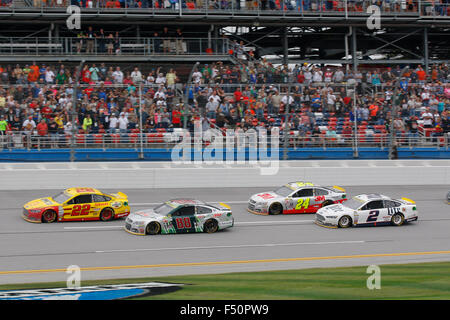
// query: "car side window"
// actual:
[[203, 210], [376, 204], [85, 198], [320, 192], [391, 204], [186, 211], [100, 198], [303, 193]]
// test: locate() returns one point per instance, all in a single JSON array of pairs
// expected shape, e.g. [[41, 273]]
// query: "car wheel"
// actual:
[[49, 216], [397, 219], [153, 228], [276, 208], [107, 214], [210, 226], [345, 222], [326, 203]]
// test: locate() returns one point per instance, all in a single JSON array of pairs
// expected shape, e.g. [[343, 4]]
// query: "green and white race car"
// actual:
[[180, 216]]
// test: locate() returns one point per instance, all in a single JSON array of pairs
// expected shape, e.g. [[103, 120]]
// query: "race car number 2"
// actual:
[[81, 210]]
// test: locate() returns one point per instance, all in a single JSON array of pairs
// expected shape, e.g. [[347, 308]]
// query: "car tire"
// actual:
[[345, 222], [49, 216], [276, 208], [397, 219], [210, 226], [153, 228], [107, 214]]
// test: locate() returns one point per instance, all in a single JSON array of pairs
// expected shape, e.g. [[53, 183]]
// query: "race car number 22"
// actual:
[[81, 210]]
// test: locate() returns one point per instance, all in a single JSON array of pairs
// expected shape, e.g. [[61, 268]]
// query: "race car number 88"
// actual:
[[183, 223]]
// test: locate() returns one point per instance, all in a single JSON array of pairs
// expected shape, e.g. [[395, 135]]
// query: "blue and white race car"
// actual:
[[368, 210]]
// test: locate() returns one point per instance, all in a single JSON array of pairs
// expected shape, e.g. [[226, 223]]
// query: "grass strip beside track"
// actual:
[[403, 281]]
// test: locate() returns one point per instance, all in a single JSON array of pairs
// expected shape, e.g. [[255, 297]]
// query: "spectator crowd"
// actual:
[[38, 99]]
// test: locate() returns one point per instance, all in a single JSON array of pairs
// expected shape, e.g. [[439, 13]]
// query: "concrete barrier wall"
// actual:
[[123, 175]]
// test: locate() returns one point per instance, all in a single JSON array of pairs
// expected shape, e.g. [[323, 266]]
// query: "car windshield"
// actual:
[[353, 203], [61, 197], [283, 191], [163, 209]]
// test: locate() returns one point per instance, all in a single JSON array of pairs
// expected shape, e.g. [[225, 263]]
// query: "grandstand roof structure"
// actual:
[[325, 35]]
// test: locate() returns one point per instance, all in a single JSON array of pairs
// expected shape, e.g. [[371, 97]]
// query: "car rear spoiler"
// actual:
[[339, 189], [224, 206], [408, 200], [120, 195]]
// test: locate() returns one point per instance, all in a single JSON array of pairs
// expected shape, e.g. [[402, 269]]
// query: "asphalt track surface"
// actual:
[[103, 250]]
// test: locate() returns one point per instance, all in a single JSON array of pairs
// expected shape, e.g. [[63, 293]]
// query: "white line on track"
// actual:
[[233, 246], [236, 224]]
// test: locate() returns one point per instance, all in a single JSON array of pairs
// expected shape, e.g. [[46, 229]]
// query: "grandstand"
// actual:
[[311, 68]]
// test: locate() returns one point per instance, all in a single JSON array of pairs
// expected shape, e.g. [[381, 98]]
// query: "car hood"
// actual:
[[334, 209], [40, 203], [148, 214], [265, 196]]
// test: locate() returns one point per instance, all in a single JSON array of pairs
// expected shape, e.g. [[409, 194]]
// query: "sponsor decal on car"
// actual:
[[103, 292]]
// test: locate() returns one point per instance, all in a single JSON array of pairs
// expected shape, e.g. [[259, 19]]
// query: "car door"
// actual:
[[303, 199], [183, 219], [320, 196], [79, 207], [202, 214], [372, 212], [99, 203]]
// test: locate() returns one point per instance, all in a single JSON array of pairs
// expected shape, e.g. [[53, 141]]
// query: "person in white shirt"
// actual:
[[197, 77], [427, 118], [317, 75], [118, 75], [113, 121], [49, 75], [136, 76], [123, 123]]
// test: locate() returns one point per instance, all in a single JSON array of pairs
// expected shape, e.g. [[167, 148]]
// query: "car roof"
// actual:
[[79, 191], [300, 184], [180, 202], [372, 196]]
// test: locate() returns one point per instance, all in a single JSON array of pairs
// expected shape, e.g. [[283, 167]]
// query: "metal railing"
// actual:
[[167, 140], [247, 8], [112, 47]]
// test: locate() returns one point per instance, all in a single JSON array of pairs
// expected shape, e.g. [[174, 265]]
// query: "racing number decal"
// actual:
[[81, 210], [302, 203], [373, 215], [183, 223]]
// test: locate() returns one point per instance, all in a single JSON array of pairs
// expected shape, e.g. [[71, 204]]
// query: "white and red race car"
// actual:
[[295, 197]]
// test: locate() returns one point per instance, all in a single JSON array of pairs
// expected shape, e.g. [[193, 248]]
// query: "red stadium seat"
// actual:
[[80, 138], [115, 138], [98, 138], [133, 137]]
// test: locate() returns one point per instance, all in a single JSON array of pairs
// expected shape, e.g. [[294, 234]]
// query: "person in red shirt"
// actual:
[[237, 95], [421, 74], [46, 112], [176, 117]]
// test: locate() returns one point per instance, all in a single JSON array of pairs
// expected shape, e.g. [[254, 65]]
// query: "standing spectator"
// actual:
[[42, 130], [90, 41], [123, 123], [179, 41], [166, 35], [118, 76], [87, 123]]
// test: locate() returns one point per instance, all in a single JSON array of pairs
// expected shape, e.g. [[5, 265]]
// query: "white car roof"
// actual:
[[373, 196]]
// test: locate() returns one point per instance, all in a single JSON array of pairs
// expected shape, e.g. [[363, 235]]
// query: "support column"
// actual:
[[285, 46], [425, 49], [354, 48]]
